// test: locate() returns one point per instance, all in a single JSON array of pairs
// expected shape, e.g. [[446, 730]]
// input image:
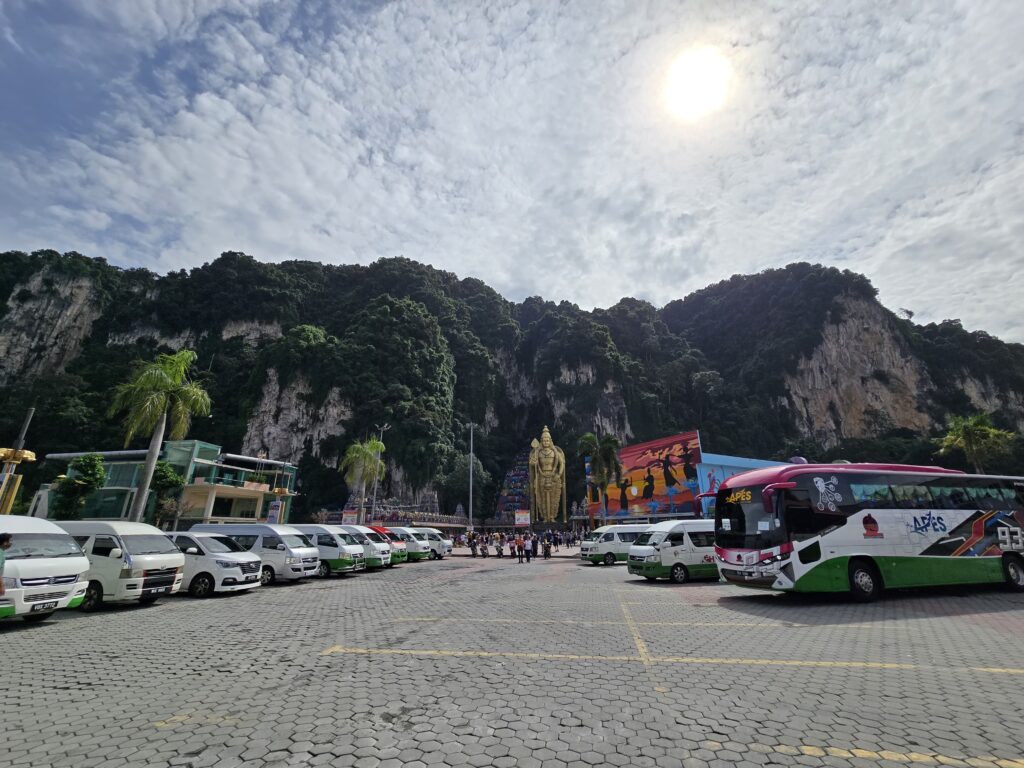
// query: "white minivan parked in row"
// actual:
[[216, 563], [610, 544], [416, 543], [127, 561], [679, 550], [377, 554], [439, 543], [339, 550], [45, 569], [286, 553]]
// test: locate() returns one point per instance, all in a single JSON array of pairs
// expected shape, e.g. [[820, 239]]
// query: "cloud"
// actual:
[[528, 145]]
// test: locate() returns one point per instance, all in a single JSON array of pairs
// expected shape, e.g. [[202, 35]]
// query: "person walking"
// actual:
[[520, 547], [528, 546]]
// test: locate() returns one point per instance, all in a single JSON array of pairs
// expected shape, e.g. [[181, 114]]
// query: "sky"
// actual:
[[528, 143]]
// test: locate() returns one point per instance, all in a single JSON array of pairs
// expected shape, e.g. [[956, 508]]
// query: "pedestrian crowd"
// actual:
[[524, 545]]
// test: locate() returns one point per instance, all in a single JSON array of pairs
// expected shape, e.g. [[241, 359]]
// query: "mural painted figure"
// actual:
[[547, 479]]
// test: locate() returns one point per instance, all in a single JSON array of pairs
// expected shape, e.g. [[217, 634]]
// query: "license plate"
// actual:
[[154, 590], [44, 606], [251, 578]]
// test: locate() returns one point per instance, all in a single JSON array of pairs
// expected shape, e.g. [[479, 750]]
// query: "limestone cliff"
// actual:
[[861, 380], [286, 421], [47, 320]]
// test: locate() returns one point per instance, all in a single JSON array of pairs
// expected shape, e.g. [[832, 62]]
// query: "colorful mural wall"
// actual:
[[660, 477]]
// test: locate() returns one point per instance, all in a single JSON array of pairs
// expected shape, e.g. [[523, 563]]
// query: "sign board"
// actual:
[[274, 511], [522, 518], [349, 518]]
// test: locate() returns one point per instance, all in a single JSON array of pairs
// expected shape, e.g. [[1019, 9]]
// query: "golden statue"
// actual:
[[547, 479]]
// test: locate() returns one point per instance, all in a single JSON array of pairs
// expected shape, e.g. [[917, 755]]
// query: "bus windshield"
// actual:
[[741, 521]]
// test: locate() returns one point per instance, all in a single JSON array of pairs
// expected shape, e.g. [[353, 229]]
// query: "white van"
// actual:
[[45, 569], [339, 550], [127, 561], [286, 553], [378, 553], [215, 563], [675, 549], [439, 543], [610, 544], [416, 543]]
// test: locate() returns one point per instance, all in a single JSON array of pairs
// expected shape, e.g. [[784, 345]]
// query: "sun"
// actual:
[[697, 83]]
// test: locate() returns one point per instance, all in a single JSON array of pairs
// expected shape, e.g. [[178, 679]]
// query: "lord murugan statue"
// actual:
[[547, 479]]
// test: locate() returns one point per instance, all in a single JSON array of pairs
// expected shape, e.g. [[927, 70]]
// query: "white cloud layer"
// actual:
[[526, 143]]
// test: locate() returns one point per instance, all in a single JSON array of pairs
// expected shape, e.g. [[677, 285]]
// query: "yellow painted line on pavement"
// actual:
[[646, 658], [591, 622], [474, 654], [641, 645], [910, 758]]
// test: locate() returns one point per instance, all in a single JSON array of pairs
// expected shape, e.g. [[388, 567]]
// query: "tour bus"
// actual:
[[45, 569], [340, 552], [399, 552], [439, 543], [286, 553], [128, 562], [859, 528], [376, 550], [610, 543], [679, 550], [215, 563], [416, 544]]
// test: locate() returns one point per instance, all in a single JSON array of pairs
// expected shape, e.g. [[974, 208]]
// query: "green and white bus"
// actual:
[[860, 528]]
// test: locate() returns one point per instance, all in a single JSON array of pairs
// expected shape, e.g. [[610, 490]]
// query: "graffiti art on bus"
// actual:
[[658, 478]]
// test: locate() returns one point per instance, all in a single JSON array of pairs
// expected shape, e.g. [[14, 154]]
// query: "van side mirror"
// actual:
[[115, 553], [191, 551], [280, 547]]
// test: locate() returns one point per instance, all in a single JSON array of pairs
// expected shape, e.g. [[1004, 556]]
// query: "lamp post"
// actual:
[[381, 428], [471, 425]]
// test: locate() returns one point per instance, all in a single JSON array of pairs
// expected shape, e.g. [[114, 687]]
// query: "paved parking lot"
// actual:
[[487, 662]]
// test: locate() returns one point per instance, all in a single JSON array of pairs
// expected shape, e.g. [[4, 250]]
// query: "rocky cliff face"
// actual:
[[860, 381], [286, 421], [47, 320]]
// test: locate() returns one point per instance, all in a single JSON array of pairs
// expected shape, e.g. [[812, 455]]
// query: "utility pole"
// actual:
[[381, 428], [471, 476]]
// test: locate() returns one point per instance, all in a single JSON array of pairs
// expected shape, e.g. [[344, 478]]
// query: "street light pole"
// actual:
[[381, 428], [470, 476]]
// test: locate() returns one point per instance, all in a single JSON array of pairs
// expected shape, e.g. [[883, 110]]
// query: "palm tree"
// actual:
[[605, 467], [158, 391], [361, 465], [977, 438]]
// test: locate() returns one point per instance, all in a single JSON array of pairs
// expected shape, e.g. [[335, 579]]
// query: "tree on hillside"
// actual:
[[977, 437], [361, 466], [455, 485], [605, 467], [86, 474], [156, 392]]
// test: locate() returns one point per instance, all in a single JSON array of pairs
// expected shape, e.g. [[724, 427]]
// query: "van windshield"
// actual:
[[374, 536], [347, 538], [295, 540], [419, 537], [650, 538], [146, 544], [219, 544], [25, 545], [592, 536]]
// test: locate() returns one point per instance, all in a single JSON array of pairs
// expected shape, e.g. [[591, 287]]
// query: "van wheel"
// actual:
[[267, 576], [679, 574], [32, 618], [1013, 571], [609, 559], [93, 596], [201, 586], [433, 555], [324, 569], [865, 581]]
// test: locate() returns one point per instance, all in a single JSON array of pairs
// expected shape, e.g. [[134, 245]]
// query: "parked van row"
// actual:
[[68, 564], [679, 550]]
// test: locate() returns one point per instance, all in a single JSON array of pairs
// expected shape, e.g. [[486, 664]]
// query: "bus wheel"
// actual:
[[609, 559], [201, 586], [679, 574], [93, 596], [1013, 571], [865, 581], [267, 576], [324, 569]]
